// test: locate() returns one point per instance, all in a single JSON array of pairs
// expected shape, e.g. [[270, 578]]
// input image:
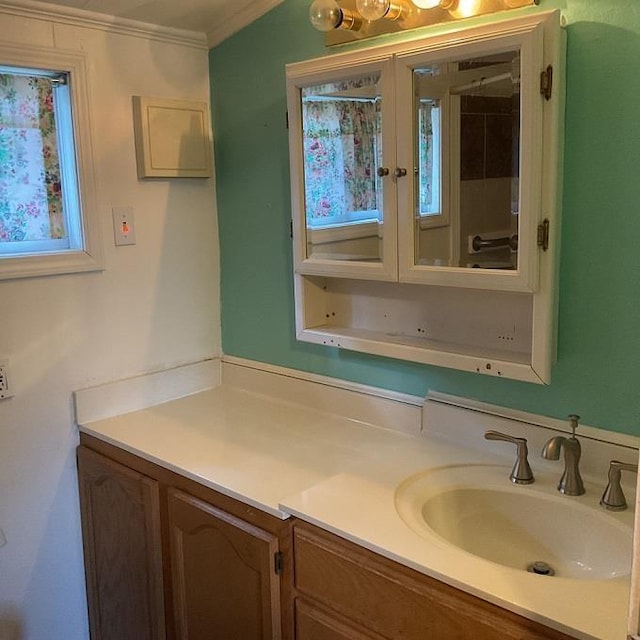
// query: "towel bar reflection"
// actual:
[[479, 244]]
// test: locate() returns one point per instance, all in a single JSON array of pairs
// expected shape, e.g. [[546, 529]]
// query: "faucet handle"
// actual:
[[573, 423], [613, 496], [521, 472]]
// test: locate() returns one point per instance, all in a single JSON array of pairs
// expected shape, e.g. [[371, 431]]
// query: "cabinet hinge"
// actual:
[[291, 229], [543, 234], [286, 119], [277, 562], [546, 82]]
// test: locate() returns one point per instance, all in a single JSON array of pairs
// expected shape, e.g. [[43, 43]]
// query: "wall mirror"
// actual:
[[466, 125], [342, 140], [465, 132], [420, 162]]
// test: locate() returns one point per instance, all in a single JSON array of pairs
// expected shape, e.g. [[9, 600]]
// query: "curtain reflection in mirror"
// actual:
[[342, 148], [341, 151]]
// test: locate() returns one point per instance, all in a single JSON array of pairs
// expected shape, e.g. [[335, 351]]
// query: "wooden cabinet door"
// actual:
[[223, 569], [123, 558]]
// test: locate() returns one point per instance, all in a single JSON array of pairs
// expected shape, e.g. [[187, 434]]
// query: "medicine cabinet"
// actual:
[[425, 188]]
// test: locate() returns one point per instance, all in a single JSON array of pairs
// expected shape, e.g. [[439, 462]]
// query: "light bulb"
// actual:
[[465, 9], [378, 9], [426, 4], [325, 15], [373, 9]]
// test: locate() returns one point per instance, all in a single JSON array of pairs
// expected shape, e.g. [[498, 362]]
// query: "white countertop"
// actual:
[[342, 475]]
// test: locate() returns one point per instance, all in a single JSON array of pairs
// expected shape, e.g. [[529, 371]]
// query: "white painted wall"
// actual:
[[155, 306]]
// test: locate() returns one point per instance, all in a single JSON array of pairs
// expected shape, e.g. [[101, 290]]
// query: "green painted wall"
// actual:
[[598, 369]]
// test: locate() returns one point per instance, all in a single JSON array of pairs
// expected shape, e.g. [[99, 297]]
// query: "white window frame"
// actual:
[[439, 217], [89, 255]]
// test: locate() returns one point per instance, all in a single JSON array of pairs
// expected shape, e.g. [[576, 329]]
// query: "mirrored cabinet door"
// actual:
[[468, 212], [342, 133], [467, 218]]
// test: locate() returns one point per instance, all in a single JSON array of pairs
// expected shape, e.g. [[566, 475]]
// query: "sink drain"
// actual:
[[541, 568]]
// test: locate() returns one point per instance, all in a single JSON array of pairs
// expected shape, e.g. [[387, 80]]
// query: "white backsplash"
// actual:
[[463, 421]]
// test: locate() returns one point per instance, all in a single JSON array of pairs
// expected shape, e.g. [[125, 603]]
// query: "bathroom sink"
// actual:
[[476, 509]]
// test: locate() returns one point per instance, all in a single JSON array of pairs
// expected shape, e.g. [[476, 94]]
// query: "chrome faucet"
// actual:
[[571, 482], [613, 497], [521, 472]]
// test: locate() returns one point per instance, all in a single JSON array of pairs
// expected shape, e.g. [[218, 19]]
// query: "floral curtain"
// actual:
[[341, 152], [30, 184]]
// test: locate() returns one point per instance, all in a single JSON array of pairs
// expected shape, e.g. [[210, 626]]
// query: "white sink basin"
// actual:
[[478, 510]]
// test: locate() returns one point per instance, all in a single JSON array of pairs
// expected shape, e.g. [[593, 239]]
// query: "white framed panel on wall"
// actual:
[[172, 138]]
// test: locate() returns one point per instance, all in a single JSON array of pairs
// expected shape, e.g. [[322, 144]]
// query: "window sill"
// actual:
[[433, 221], [49, 264], [348, 231]]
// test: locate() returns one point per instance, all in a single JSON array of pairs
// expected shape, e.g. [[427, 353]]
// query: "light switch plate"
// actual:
[[124, 231]]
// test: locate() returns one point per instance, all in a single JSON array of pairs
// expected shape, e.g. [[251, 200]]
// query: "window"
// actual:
[[430, 110], [428, 164], [46, 186]]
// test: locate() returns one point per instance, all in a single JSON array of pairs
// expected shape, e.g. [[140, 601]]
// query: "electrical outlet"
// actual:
[[124, 231], [5, 388]]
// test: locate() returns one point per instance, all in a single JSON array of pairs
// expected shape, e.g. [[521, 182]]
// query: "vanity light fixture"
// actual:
[[347, 20]]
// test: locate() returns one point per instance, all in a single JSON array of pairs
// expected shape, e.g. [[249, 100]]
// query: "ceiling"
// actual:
[[218, 19]]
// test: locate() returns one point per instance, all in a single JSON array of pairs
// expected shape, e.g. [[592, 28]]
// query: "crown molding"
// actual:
[[231, 21], [93, 20]]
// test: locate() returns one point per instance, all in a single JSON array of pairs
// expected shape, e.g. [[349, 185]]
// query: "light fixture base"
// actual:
[[411, 17]]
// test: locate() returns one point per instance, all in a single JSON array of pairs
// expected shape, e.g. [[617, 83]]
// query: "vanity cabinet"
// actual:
[[425, 189], [345, 592], [167, 558]]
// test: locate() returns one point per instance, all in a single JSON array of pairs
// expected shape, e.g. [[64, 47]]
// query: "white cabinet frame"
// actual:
[[528, 40], [493, 322]]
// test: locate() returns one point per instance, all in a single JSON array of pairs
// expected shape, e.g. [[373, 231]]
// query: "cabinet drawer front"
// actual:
[[313, 623], [394, 601]]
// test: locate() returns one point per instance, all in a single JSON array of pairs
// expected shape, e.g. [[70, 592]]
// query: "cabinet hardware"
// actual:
[[543, 234], [277, 562], [382, 172], [546, 82], [400, 172]]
